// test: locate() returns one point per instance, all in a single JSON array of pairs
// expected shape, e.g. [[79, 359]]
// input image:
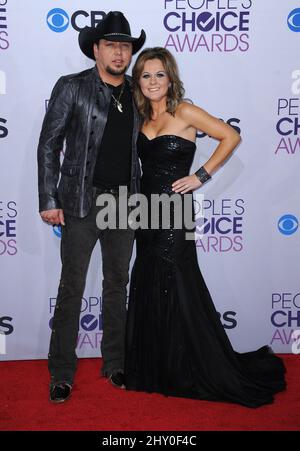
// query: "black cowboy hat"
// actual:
[[114, 27]]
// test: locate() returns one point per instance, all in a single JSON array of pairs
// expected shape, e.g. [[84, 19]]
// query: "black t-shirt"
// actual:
[[113, 164]]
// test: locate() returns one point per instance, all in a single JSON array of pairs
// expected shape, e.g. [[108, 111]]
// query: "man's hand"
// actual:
[[54, 216]]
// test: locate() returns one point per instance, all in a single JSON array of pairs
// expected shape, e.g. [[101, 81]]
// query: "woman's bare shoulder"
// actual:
[[185, 110]]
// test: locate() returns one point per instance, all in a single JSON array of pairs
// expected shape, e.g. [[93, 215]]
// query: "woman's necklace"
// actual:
[[117, 102]]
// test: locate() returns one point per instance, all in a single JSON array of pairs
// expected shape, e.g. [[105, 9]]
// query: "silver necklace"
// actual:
[[117, 102]]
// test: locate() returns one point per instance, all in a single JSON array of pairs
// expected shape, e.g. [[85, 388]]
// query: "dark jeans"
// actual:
[[79, 237]]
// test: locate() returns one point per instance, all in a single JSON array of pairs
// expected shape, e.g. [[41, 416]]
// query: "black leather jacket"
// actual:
[[77, 113]]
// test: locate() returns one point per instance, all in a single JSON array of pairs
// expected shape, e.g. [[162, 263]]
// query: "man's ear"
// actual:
[[96, 50]]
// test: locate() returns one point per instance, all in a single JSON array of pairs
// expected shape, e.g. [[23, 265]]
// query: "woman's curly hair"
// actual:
[[175, 91]]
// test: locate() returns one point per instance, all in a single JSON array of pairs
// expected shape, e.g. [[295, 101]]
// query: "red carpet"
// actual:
[[96, 405]]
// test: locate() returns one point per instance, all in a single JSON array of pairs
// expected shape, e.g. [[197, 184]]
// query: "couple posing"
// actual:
[[171, 340]]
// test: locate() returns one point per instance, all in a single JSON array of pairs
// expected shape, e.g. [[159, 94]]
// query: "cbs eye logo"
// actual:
[[58, 20], [293, 20], [288, 224]]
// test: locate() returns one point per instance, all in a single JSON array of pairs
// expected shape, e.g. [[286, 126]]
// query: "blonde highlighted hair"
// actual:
[[175, 91]]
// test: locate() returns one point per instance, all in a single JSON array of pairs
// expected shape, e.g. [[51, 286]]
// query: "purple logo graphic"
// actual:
[[4, 43], [288, 122], [285, 317], [90, 330], [88, 322], [219, 225], [8, 225], [207, 27]]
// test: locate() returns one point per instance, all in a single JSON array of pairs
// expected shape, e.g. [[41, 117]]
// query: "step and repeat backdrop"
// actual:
[[239, 60]]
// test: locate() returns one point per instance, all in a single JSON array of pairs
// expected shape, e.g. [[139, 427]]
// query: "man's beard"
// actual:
[[116, 72]]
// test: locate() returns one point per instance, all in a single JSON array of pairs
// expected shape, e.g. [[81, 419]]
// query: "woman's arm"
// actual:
[[199, 119]]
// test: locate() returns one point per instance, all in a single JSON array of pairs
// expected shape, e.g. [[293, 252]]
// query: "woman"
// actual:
[[175, 342]]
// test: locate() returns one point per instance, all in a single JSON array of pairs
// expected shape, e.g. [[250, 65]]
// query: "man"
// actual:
[[93, 111]]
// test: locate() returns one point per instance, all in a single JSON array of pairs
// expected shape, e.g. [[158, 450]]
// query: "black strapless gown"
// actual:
[[175, 342]]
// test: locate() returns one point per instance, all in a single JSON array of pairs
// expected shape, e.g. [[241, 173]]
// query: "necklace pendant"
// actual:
[[119, 106]]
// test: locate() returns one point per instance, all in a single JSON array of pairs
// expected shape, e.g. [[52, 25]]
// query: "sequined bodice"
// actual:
[[164, 159]]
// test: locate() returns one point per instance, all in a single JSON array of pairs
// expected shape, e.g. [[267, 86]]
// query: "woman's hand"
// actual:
[[186, 184]]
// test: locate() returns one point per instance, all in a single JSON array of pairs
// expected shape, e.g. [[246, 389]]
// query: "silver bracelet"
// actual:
[[202, 175]]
